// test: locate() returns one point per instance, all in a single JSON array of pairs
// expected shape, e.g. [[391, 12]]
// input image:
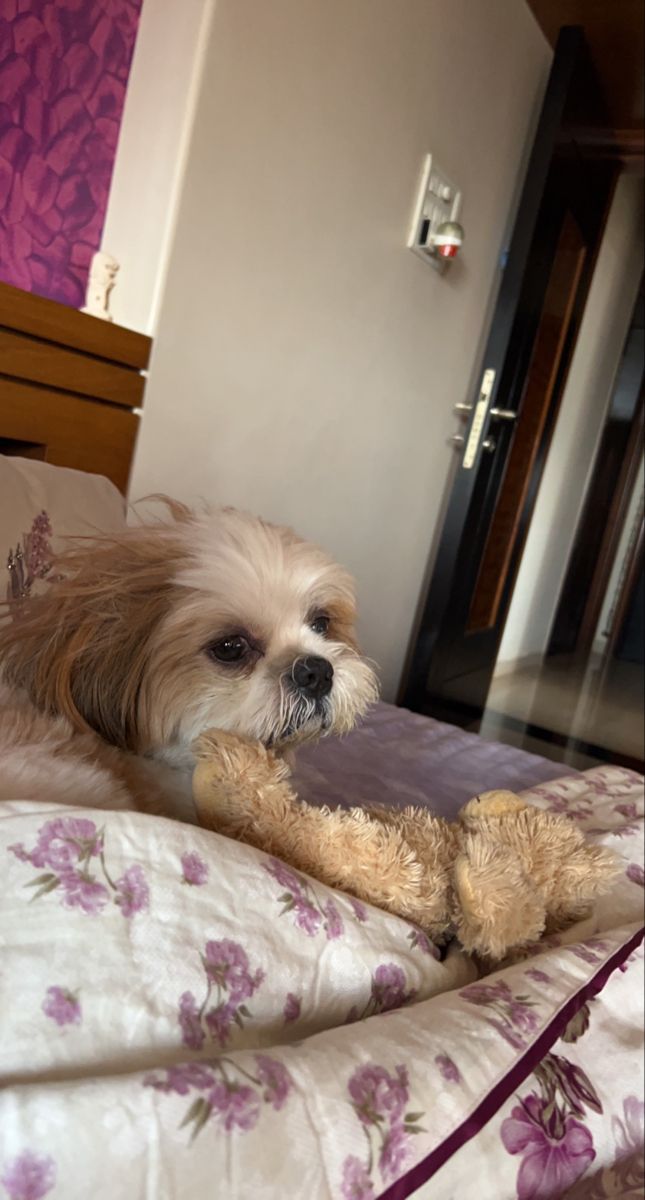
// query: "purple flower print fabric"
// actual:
[[30, 1176], [194, 869], [229, 983], [62, 1006], [73, 852], [163, 986], [229, 1094]]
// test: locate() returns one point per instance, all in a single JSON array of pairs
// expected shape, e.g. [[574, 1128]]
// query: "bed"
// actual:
[[71, 386], [184, 1016]]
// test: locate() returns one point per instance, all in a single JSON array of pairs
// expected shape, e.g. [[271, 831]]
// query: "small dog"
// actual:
[[152, 636]]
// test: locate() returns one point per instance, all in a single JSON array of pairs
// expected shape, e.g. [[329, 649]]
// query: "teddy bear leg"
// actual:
[[434, 844], [581, 878], [242, 790], [497, 909]]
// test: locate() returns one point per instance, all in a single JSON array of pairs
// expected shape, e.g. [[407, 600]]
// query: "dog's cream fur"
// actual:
[[108, 675]]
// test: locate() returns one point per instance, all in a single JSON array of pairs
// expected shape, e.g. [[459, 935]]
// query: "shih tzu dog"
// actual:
[[152, 636]]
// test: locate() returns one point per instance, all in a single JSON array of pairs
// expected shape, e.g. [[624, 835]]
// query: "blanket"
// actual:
[[184, 1016]]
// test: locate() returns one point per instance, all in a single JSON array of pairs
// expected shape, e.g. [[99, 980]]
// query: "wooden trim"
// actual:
[[70, 386], [27, 358], [613, 532], [70, 431], [13, 447], [625, 146], [31, 314]]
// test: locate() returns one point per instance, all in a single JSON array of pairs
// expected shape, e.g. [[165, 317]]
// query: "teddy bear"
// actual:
[[497, 878]]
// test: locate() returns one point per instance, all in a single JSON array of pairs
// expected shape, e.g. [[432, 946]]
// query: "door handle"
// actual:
[[503, 414], [464, 408], [488, 443], [478, 419]]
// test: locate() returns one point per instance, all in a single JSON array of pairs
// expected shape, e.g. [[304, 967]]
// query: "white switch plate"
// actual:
[[438, 200]]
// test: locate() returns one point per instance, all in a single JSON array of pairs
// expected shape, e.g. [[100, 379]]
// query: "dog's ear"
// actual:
[[81, 650], [179, 512]]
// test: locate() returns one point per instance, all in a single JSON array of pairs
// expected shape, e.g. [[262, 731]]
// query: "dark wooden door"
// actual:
[[510, 420]]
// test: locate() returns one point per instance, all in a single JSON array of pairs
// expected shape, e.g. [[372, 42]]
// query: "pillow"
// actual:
[[41, 505]]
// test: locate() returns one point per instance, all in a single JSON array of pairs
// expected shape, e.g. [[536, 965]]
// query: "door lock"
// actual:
[[478, 419], [489, 444]]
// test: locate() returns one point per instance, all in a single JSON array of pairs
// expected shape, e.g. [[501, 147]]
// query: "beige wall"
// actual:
[[151, 154], [582, 415], [306, 364]]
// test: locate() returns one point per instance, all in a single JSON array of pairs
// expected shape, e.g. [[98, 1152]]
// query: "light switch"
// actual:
[[438, 201]]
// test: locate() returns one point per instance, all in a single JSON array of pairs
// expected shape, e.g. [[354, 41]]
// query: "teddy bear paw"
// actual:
[[492, 805]]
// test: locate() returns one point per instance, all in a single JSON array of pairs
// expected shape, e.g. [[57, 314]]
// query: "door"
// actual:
[[510, 419]]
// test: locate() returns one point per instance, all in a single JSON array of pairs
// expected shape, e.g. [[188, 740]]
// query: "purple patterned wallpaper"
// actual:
[[64, 68]]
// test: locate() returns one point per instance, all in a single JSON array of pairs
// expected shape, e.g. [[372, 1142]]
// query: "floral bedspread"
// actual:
[[183, 1016]]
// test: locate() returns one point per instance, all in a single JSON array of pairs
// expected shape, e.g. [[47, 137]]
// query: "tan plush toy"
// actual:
[[496, 879]]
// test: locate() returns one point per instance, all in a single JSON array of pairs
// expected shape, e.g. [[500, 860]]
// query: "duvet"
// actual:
[[183, 1016]]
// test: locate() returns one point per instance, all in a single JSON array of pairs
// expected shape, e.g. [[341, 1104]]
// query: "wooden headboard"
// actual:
[[71, 386]]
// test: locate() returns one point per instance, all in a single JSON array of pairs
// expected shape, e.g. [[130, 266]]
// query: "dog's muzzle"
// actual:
[[306, 689]]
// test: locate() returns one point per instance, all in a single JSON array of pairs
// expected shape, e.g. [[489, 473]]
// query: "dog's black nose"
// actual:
[[313, 676]]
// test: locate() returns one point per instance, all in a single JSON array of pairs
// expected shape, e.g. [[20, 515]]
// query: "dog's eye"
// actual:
[[320, 624], [229, 649]]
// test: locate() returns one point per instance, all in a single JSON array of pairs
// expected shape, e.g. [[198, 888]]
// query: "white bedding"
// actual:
[[183, 1017]]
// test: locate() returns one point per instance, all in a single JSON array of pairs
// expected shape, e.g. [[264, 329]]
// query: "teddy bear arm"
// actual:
[[243, 792]]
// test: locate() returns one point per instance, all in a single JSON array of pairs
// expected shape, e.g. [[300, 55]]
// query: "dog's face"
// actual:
[[260, 640], [211, 621]]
